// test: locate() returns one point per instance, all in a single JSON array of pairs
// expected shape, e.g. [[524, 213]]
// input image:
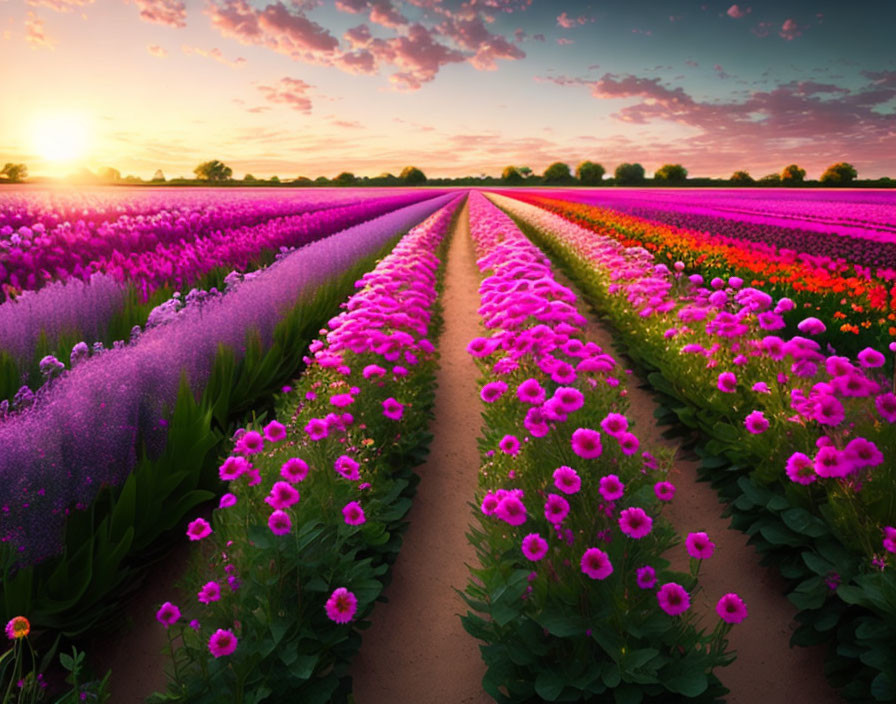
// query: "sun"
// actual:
[[61, 138]]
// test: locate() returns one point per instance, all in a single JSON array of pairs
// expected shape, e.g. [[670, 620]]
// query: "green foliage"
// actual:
[[741, 178], [629, 174], [213, 170], [839, 174], [770, 180], [671, 174], [412, 176], [557, 173], [14, 172], [589, 173], [511, 176], [346, 178], [792, 175]]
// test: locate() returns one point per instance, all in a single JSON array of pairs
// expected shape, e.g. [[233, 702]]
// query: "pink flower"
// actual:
[[756, 422], [727, 382], [198, 529], [392, 409], [317, 429], [889, 539], [534, 547], [168, 614], [635, 522], [489, 503], [342, 400], [373, 370], [211, 591], [556, 508], [611, 488], [831, 462], [886, 406], [279, 522], [341, 606], [870, 357], [222, 642], [492, 391], [567, 480], [673, 599], [800, 469], [596, 564], [347, 467], [530, 392], [232, 468], [863, 453], [828, 410], [629, 443], [614, 424], [646, 577], [699, 546], [664, 490], [511, 510], [294, 470], [353, 513], [569, 399], [509, 445], [227, 501], [586, 443], [731, 608], [761, 387], [274, 431], [283, 495], [811, 326], [250, 443]]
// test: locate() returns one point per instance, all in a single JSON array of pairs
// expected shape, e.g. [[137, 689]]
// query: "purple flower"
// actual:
[[353, 513], [664, 490], [811, 326], [727, 382], [596, 564], [611, 488], [646, 577], [800, 469], [492, 391], [294, 470], [509, 445], [274, 431], [198, 529], [511, 510], [756, 422], [586, 443], [699, 546], [556, 508], [673, 599], [614, 424], [279, 522], [870, 357], [731, 608], [635, 522], [567, 480], [392, 409], [168, 614], [534, 547]]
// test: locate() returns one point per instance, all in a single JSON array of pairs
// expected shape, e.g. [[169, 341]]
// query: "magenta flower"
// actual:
[[863, 453], [586, 443], [811, 326], [727, 382], [211, 591], [509, 445], [569, 399], [294, 470], [556, 508], [341, 606], [222, 642], [761, 387], [279, 522], [489, 503], [664, 490], [567, 480], [511, 510], [283, 495], [347, 467], [232, 468], [353, 513], [392, 409], [168, 614], [317, 429], [492, 391], [828, 410], [198, 529], [227, 501], [831, 462], [646, 577], [531, 392], [889, 539], [534, 547], [611, 488], [870, 357], [596, 564], [731, 608], [373, 371], [800, 469], [614, 424], [635, 522], [886, 406], [756, 422], [342, 400], [250, 443], [629, 443], [274, 431], [699, 546], [673, 599]]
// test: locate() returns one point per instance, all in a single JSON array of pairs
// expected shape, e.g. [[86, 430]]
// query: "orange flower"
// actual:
[[18, 627]]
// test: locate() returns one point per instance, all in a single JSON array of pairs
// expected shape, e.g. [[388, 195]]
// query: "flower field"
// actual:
[[252, 372]]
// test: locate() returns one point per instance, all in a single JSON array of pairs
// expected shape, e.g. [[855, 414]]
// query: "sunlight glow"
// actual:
[[61, 138]]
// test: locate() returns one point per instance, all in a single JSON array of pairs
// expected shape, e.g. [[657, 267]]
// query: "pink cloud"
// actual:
[[347, 124], [215, 54], [691, 63], [790, 30], [736, 12], [382, 12], [60, 5], [539, 37], [157, 51], [563, 41], [762, 29], [35, 35], [289, 91], [172, 13], [471, 34], [567, 22], [720, 72], [418, 56]]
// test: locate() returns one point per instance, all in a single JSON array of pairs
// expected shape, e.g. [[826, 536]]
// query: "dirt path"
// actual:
[[416, 649], [767, 669]]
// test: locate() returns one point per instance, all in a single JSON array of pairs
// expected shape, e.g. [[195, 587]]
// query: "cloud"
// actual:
[[35, 34], [563, 41], [347, 124], [736, 12], [60, 5], [691, 63], [215, 54], [790, 30], [567, 22], [762, 29], [539, 37], [157, 51], [470, 33], [172, 13], [720, 72], [289, 91], [382, 12]]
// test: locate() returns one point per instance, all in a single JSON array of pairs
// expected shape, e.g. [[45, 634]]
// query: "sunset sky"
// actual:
[[291, 87]]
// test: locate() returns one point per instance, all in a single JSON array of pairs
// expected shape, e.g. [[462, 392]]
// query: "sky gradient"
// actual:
[[305, 88]]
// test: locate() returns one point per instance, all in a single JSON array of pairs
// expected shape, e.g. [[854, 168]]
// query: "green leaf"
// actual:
[[560, 623], [549, 685]]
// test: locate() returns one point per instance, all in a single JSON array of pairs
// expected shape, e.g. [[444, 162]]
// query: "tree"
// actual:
[[771, 180], [322, 180], [14, 172], [525, 172], [249, 178], [412, 176], [158, 175], [213, 170], [274, 179], [793, 174], [671, 173], [839, 174], [346, 178], [511, 175], [589, 173], [629, 174], [558, 172], [109, 175], [741, 178]]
